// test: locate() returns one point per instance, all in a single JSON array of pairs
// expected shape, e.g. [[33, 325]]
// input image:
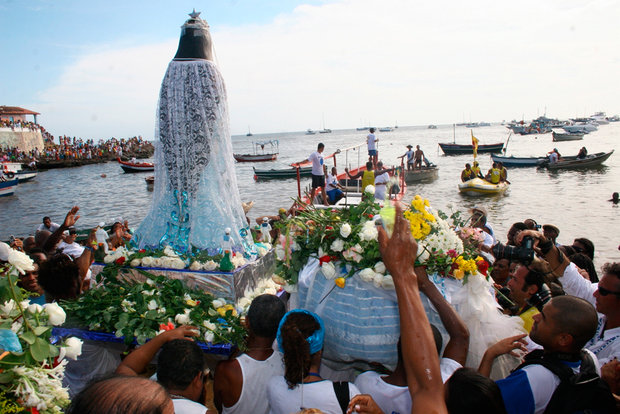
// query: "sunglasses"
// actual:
[[605, 292]]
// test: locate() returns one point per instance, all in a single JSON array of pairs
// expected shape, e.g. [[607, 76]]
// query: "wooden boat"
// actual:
[[592, 160], [255, 157], [478, 186], [259, 152], [131, 167], [7, 186], [281, 173], [571, 136], [517, 162], [457, 149], [422, 174], [14, 169]]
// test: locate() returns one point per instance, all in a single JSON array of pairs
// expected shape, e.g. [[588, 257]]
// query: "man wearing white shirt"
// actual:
[[48, 225], [371, 141], [68, 244]]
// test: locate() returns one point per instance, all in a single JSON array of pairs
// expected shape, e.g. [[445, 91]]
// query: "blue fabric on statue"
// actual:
[[9, 341]]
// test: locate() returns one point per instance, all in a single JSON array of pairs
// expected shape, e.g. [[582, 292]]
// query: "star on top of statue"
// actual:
[[194, 14]]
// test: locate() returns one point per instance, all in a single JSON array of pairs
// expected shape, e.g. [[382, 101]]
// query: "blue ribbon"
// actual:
[[315, 340]]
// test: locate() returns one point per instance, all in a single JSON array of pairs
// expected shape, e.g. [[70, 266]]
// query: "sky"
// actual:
[[93, 69]]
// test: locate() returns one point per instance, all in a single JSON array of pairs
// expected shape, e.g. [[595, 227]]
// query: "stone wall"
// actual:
[[22, 138]]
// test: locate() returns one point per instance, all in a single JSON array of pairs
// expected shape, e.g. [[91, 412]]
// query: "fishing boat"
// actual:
[[591, 160], [12, 169], [134, 167], [457, 149], [282, 173], [582, 128], [518, 162], [259, 152], [7, 186], [478, 186], [423, 174], [570, 136]]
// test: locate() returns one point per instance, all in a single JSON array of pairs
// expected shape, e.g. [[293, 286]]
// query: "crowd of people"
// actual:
[[571, 338]]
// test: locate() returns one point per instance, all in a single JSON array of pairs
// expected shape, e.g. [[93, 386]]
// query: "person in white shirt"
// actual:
[[68, 244], [318, 174], [382, 180], [333, 187], [409, 155], [371, 141], [48, 225]]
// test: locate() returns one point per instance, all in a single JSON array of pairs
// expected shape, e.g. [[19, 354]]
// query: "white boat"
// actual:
[[584, 128], [386, 129], [478, 186], [7, 186], [14, 169], [310, 132], [600, 118]]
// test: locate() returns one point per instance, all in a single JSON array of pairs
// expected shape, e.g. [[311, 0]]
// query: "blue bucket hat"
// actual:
[[315, 340]]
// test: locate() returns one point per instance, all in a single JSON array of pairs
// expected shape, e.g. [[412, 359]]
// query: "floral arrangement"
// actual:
[[142, 309], [345, 242], [31, 368], [168, 258], [265, 286]]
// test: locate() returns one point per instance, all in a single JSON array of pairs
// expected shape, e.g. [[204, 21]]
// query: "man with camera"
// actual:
[[605, 295]]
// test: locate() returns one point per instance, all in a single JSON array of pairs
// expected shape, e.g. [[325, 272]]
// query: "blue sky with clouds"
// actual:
[[93, 69]]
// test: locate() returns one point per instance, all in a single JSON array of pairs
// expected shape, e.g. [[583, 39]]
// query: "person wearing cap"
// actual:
[[68, 244], [300, 339], [409, 155], [551, 232], [479, 220], [467, 174], [265, 230]]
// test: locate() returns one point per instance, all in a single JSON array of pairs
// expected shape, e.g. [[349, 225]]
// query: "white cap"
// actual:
[[102, 224], [227, 230], [265, 219]]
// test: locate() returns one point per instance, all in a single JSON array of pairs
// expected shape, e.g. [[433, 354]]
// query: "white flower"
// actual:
[[4, 251], [321, 252], [353, 253], [183, 319], [135, 262], [290, 288], [8, 307], [380, 267], [367, 275], [278, 279], [20, 260], [378, 280], [387, 283], [238, 260], [369, 233], [337, 245], [262, 251], [244, 302], [108, 259], [195, 265], [345, 230], [219, 302], [168, 251], [280, 253], [16, 326], [329, 270], [72, 348], [150, 281], [152, 305], [35, 308], [56, 314], [148, 261], [209, 336], [209, 325], [175, 263], [370, 189], [210, 265]]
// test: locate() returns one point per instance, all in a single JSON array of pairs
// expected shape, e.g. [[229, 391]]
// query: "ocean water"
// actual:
[[573, 200]]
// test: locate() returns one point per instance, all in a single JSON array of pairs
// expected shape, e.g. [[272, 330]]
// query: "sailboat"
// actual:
[[249, 134], [325, 130]]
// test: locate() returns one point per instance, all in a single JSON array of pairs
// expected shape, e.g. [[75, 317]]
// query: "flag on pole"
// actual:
[[474, 142]]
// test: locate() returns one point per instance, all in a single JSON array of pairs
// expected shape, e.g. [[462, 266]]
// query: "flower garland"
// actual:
[[141, 309], [31, 367]]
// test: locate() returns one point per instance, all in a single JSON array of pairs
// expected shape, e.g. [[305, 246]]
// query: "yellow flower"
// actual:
[[191, 302], [340, 282], [223, 309], [458, 274]]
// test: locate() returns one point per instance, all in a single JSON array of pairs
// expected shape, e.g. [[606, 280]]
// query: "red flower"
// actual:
[[452, 253], [163, 327], [483, 266], [142, 251], [325, 259], [329, 228], [120, 260], [370, 215]]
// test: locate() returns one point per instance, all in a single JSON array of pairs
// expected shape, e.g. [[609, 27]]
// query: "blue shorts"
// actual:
[[332, 194], [372, 152]]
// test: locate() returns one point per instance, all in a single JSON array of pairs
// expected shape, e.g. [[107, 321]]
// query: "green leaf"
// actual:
[[7, 377], [40, 330], [29, 337], [54, 351], [40, 350]]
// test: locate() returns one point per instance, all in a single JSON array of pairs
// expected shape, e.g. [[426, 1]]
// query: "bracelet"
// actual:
[[89, 248], [545, 247]]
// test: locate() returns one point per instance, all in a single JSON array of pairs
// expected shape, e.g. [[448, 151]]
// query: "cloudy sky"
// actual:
[[93, 69]]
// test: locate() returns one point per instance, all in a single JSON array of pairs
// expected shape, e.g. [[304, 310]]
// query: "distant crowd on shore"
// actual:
[[78, 149]]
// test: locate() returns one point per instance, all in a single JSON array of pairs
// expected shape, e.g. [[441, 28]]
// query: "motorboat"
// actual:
[[282, 173], [259, 152], [310, 132], [7, 186], [478, 186], [134, 167], [583, 128], [386, 129], [457, 149], [590, 161], [423, 174], [14, 169], [570, 136]]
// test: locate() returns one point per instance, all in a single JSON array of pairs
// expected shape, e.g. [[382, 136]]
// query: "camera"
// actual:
[[11, 240], [523, 254], [538, 299]]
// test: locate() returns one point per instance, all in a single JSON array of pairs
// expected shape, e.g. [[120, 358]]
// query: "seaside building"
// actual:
[[16, 131]]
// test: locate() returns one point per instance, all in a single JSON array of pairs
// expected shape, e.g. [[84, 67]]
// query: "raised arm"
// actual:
[[54, 238], [136, 362], [419, 352], [458, 345]]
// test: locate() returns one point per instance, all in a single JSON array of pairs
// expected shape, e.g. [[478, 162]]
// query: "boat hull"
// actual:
[[593, 160], [26, 175], [518, 162], [130, 167], [255, 157], [480, 187], [566, 137], [456, 149], [421, 175], [7, 188], [274, 174]]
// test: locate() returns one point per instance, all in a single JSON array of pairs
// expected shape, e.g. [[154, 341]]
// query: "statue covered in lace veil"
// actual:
[[195, 195]]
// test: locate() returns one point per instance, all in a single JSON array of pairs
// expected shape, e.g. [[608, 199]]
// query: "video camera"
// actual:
[[523, 254]]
